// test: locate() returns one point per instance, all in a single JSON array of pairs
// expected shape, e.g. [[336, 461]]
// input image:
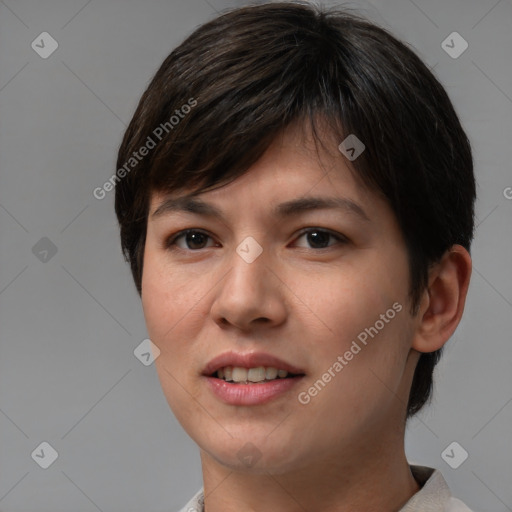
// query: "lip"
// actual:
[[248, 360], [251, 394]]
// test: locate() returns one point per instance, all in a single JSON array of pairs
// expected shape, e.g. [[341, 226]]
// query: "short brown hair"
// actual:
[[250, 73]]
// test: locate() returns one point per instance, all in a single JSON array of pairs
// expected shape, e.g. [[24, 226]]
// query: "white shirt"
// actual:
[[434, 495]]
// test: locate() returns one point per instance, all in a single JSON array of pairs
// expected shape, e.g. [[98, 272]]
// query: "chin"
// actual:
[[248, 456]]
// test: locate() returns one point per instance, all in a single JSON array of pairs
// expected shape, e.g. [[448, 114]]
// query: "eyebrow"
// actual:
[[287, 209]]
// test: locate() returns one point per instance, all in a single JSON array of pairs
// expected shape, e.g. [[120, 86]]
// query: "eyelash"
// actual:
[[170, 243]]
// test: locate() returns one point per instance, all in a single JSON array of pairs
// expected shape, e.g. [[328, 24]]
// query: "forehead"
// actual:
[[297, 171]]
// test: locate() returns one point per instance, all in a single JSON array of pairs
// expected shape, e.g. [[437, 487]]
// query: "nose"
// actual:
[[250, 294]]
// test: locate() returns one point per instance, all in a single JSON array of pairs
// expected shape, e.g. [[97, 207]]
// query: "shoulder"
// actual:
[[196, 503], [434, 493], [455, 505]]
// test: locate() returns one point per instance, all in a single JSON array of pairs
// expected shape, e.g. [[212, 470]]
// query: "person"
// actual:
[[295, 196]]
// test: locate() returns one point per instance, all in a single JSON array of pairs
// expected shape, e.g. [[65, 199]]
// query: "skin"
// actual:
[[344, 450]]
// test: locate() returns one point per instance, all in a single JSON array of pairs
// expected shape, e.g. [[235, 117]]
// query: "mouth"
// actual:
[[251, 378], [250, 367], [240, 375]]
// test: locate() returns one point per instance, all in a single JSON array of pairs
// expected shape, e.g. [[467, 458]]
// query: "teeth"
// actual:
[[271, 373], [239, 374], [258, 374]]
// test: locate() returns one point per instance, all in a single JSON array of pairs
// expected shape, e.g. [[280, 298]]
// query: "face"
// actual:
[[320, 291]]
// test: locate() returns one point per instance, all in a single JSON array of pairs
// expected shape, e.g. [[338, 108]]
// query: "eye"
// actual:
[[193, 238], [320, 237]]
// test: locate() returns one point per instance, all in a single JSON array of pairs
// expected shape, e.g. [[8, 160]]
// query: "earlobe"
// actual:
[[443, 302]]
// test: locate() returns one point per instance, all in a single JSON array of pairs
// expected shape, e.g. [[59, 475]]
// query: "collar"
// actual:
[[433, 495]]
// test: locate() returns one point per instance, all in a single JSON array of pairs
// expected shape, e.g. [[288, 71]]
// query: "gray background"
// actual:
[[69, 325]]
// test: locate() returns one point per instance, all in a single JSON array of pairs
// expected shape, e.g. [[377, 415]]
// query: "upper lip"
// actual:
[[249, 360]]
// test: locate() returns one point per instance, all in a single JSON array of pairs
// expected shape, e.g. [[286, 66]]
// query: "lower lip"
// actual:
[[251, 394]]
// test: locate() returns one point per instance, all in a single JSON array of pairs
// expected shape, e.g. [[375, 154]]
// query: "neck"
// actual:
[[376, 480]]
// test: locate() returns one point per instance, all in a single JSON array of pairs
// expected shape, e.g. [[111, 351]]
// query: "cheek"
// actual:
[[164, 300], [155, 301], [362, 314], [173, 304], [168, 300], [347, 302]]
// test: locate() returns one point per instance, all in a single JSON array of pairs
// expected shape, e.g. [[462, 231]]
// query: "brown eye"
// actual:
[[194, 240], [319, 238]]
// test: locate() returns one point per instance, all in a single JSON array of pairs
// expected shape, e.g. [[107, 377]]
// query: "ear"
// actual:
[[443, 301]]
